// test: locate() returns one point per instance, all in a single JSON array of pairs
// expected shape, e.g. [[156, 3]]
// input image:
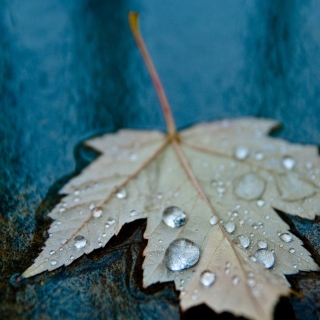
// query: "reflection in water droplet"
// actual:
[[133, 213], [265, 257], [262, 244], [288, 162], [241, 152], [242, 241], [207, 278], [96, 212], [292, 250], [53, 262], [80, 241], [229, 226], [286, 237], [214, 220], [121, 193], [249, 186], [173, 217], [181, 254], [235, 280]]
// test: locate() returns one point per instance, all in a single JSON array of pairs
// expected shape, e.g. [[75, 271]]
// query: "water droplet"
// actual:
[[207, 278], [76, 192], [295, 266], [111, 221], [265, 257], [71, 257], [241, 152], [288, 162], [251, 282], [259, 156], [261, 203], [214, 220], [52, 252], [121, 193], [173, 217], [63, 241], [286, 237], [80, 242], [53, 262], [181, 254], [252, 258], [242, 241], [235, 280], [230, 226], [262, 244], [268, 217], [249, 186], [77, 199], [91, 206], [96, 212], [133, 157], [292, 250], [133, 213]]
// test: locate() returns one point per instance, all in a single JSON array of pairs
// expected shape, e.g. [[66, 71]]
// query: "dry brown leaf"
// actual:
[[226, 177]]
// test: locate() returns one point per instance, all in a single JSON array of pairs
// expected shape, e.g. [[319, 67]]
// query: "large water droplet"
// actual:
[[121, 193], [229, 226], [286, 237], [241, 152], [242, 241], [288, 162], [80, 241], [207, 278], [173, 217], [262, 244], [265, 257], [249, 186], [181, 254], [96, 212], [214, 220]]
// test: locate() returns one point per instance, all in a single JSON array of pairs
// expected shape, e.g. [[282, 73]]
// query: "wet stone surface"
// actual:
[[70, 71]]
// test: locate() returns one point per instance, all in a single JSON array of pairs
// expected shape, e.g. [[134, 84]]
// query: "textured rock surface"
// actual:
[[70, 70]]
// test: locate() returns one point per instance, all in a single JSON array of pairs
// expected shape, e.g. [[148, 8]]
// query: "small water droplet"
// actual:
[[52, 252], [262, 244], [242, 241], [96, 212], [121, 193], [230, 226], [214, 220], [288, 162], [77, 199], [133, 213], [207, 278], [286, 237], [53, 262], [292, 250], [265, 257], [252, 258], [251, 282], [133, 157], [268, 217], [221, 190], [295, 266], [174, 217], [181, 254], [111, 221], [241, 152], [235, 280], [76, 192], [80, 241], [259, 156], [261, 203], [63, 241], [71, 257], [249, 186], [91, 206]]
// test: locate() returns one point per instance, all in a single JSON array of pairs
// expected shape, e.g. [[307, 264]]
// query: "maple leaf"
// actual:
[[209, 195]]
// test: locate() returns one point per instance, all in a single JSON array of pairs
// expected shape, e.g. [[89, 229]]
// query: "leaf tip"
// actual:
[[133, 18]]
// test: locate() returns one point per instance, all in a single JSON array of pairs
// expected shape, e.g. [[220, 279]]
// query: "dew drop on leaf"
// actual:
[[133, 213], [241, 152], [235, 280], [265, 257], [262, 244], [261, 203], [53, 262], [288, 162], [111, 221], [214, 220], [229, 226], [121, 193], [80, 241], [52, 252], [173, 217], [242, 241], [181, 254], [96, 212], [286, 237], [249, 186], [251, 282], [292, 250], [207, 278]]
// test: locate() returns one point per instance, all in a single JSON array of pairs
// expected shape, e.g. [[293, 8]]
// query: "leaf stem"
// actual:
[[134, 26]]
